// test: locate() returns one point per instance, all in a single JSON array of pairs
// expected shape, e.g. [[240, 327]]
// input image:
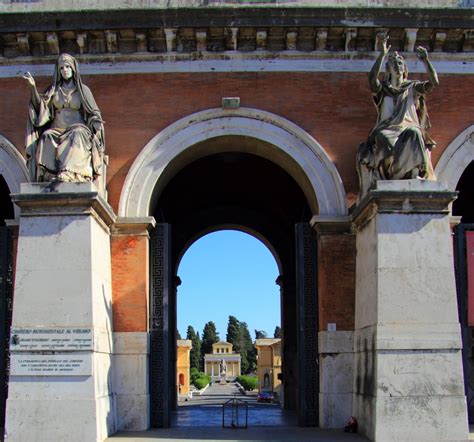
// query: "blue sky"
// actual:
[[228, 273]]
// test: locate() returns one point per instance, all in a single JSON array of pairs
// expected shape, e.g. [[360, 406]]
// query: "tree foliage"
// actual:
[[248, 382], [239, 336], [233, 333], [248, 349], [277, 333], [209, 337], [195, 355], [199, 379], [260, 334]]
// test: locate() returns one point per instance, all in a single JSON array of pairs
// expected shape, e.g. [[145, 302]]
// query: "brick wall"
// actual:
[[130, 283], [336, 281], [335, 108]]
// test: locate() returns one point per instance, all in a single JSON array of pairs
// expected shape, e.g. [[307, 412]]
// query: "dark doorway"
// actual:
[[464, 207], [6, 205], [238, 189], [6, 293]]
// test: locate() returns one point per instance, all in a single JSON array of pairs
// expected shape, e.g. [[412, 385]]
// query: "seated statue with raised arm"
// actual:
[[398, 147]]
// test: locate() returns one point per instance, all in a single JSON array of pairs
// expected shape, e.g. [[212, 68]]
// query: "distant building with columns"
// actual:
[[183, 365], [213, 365], [269, 364]]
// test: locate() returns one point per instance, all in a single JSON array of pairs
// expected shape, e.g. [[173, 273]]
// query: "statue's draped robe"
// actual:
[[65, 133], [400, 143]]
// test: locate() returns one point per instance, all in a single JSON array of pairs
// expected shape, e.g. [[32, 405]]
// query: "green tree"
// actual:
[[195, 355], [277, 333], [178, 335], [238, 334], [235, 337], [249, 363], [209, 337], [233, 333], [260, 334]]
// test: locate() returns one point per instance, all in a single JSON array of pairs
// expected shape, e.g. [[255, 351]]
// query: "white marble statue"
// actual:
[[399, 146], [65, 131], [222, 367]]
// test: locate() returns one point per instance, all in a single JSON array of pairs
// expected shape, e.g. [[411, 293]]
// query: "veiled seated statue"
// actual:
[[65, 131], [398, 147]]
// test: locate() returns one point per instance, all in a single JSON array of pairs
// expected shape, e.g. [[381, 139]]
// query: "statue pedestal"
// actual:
[[408, 382], [60, 385]]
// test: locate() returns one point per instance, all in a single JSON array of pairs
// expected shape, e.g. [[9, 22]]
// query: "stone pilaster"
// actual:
[[60, 385], [336, 269], [130, 275], [408, 382]]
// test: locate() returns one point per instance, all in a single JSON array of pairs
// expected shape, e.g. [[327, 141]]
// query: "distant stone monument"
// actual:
[[65, 130], [222, 367], [222, 370], [398, 147]]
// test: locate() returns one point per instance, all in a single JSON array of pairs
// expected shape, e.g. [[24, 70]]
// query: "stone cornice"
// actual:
[[240, 17], [404, 197], [63, 199], [217, 30], [139, 226], [324, 225]]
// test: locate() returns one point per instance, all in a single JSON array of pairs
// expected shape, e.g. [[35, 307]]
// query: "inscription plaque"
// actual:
[[50, 365], [54, 339]]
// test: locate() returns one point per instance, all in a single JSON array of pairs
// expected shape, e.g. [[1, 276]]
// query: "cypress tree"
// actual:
[[233, 333], [209, 337], [277, 333], [195, 355], [249, 362]]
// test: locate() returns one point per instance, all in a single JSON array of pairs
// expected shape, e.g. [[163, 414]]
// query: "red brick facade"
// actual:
[[335, 108]]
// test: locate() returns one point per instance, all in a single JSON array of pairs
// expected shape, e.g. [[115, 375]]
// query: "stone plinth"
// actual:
[[408, 382], [130, 368], [60, 386], [336, 359]]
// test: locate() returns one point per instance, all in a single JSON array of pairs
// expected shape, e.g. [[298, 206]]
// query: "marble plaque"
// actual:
[[56, 339], [50, 365]]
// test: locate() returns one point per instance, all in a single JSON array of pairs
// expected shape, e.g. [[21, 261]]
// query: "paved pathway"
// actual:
[[200, 419], [256, 434]]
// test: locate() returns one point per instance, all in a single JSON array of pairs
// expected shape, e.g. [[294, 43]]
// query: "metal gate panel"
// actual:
[[308, 325], [466, 331], [160, 286], [6, 299]]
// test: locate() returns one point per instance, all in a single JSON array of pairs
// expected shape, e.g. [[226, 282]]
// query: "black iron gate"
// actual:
[[6, 300], [460, 259], [161, 367], [308, 325]]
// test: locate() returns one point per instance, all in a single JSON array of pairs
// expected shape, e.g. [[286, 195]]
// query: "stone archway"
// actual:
[[266, 138], [293, 149], [457, 156], [12, 167]]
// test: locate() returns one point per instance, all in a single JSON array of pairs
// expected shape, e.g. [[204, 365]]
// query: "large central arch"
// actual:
[[301, 182], [291, 148]]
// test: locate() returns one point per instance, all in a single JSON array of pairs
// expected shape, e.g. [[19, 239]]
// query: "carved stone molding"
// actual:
[[324, 29]]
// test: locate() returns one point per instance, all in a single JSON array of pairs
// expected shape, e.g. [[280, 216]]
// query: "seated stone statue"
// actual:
[[65, 133], [398, 147]]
